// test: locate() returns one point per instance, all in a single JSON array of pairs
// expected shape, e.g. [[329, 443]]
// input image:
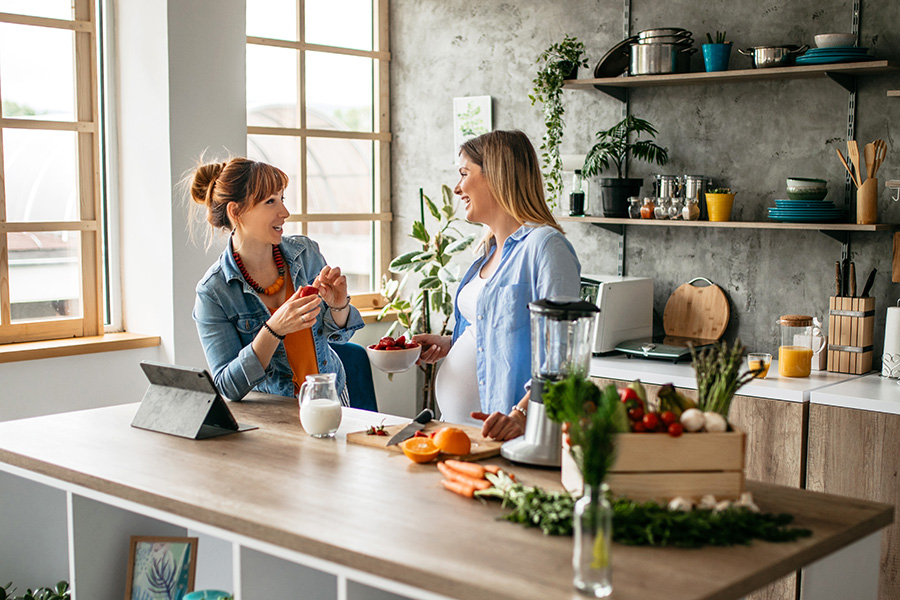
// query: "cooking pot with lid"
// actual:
[[773, 56], [657, 59], [676, 31]]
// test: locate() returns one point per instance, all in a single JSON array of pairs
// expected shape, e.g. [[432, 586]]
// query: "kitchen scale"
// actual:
[[695, 316]]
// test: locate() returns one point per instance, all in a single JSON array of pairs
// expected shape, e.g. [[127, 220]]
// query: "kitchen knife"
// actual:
[[417, 424], [853, 280], [845, 277], [837, 278], [868, 286]]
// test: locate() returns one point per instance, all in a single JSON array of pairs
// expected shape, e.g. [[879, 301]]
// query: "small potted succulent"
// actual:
[[716, 53], [719, 202]]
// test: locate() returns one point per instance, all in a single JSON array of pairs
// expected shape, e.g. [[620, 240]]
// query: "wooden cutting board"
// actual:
[[482, 447], [695, 311]]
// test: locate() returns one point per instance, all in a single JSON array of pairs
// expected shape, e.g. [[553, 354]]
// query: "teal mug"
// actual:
[[208, 595], [716, 56]]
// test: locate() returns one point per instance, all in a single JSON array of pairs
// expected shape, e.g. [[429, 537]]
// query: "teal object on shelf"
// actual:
[[716, 56], [208, 595]]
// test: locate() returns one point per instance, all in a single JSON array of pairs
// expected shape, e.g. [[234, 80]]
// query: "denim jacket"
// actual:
[[537, 262], [229, 314]]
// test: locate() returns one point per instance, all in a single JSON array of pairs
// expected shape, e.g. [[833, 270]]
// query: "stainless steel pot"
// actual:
[[773, 56], [662, 31], [657, 59], [686, 39]]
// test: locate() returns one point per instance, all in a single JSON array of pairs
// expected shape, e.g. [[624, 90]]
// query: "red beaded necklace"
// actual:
[[275, 287]]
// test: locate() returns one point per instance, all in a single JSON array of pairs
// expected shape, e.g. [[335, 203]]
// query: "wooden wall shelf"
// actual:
[[842, 73], [894, 93], [734, 224]]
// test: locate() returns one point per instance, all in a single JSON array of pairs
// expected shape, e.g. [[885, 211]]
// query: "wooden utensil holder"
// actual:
[[851, 325]]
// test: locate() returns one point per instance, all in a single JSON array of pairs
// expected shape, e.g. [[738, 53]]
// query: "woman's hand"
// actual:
[[295, 314], [332, 286], [501, 427], [434, 347]]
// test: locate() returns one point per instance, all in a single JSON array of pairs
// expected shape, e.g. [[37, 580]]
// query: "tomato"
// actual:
[[638, 427], [676, 429], [308, 290], [400, 341], [627, 394], [636, 414], [651, 420], [668, 417]]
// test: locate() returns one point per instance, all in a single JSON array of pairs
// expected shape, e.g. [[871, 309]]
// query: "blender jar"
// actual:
[[796, 349]]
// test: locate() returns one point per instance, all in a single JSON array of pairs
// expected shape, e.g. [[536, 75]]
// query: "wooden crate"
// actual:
[[851, 327], [657, 466]]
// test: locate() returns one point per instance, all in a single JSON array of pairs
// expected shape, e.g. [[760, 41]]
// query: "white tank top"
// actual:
[[456, 385]]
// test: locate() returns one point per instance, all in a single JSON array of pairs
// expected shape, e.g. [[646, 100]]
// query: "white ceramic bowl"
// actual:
[[393, 361], [805, 182], [833, 40]]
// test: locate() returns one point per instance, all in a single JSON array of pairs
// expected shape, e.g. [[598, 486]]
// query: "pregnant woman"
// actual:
[[259, 327], [524, 257]]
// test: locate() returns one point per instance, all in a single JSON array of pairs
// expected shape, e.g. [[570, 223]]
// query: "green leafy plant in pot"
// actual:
[[558, 62], [612, 150]]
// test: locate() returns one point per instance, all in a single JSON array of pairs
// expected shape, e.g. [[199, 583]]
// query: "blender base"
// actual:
[[542, 443]]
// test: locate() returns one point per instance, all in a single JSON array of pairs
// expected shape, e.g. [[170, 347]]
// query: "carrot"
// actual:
[[493, 469], [453, 475], [460, 488], [466, 468]]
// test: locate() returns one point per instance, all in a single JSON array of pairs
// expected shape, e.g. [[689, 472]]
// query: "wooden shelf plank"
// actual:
[[739, 75], [734, 224], [894, 93]]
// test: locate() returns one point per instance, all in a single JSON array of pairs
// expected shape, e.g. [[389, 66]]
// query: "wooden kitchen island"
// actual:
[[363, 522]]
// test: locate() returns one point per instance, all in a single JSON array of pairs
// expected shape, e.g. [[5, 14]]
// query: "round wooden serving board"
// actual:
[[697, 311]]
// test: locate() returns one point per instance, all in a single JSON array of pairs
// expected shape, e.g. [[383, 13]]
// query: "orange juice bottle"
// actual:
[[795, 352]]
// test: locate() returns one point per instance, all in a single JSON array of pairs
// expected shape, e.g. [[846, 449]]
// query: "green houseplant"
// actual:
[[432, 292], [557, 63], [612, 150]]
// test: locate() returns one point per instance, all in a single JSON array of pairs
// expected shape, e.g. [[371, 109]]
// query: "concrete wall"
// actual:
[[747, 136]]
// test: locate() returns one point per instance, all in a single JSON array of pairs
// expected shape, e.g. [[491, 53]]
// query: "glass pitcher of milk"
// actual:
[[320, 409]]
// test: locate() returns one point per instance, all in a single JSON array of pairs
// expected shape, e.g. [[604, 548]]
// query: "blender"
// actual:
[[562, 335]]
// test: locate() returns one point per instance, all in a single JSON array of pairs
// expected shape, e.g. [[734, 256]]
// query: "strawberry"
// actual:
[[308, 290]]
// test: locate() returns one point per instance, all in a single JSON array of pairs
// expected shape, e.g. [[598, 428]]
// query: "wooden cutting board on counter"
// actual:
[[699, 312], [482, 447]]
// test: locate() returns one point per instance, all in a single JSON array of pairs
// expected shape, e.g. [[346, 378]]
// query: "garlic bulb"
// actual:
[[713, 421]]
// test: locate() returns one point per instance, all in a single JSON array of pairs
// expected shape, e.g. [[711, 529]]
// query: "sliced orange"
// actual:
[[452, 440], [419, 449]]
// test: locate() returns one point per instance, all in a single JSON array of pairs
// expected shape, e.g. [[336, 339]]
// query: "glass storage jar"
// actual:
[[661, 212], [634, 207], [647, 210], [691, 210], [798, 344]]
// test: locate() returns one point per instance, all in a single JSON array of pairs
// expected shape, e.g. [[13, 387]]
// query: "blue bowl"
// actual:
[[207, 595]]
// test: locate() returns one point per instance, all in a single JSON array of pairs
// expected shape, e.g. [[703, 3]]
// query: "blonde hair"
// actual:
[[513, 174], [240, 180]]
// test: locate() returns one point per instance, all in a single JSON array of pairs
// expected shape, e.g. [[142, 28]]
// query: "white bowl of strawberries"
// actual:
[[394, 355]]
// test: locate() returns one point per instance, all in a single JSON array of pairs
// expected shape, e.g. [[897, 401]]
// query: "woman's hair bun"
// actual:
[[204, 178]]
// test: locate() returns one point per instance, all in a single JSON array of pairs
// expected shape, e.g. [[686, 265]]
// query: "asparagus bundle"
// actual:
[[718, 376]]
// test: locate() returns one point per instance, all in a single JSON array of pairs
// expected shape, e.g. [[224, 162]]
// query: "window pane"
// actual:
[[349, 245], [37, 72], [272, 19], [272, 86], [284, 153], [339, 92], [340, 176], [54, 9], [41, 178], [44, 275], [352, 30]]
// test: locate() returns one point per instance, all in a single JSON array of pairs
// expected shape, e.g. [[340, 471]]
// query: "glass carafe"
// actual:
[[320, 408], [797, 345]]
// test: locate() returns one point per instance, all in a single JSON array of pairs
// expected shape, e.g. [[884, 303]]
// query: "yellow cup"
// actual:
[[719, 206]]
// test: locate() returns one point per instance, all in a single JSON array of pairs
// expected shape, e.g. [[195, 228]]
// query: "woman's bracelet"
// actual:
[[346, 305], [524, 411], [272, 331]]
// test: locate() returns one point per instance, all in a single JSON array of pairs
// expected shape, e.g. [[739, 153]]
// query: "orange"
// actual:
[[419, 449], [452, 440]]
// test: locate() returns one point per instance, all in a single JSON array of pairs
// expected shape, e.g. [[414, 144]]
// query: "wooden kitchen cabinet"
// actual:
[[854, 453]]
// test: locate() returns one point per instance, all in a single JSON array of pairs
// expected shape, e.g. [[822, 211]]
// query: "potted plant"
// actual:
[[719, 202], [716, 53], [558, 62], [612, 150]]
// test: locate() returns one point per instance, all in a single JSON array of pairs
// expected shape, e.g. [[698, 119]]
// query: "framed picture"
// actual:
[[161, 568], [471, 118]]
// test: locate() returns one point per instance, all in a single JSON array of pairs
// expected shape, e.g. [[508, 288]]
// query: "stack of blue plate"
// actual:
[[836, 54], [805, 211]]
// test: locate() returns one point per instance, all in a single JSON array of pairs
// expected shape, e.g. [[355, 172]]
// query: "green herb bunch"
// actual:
[[719, 377], [719, 191], [60, 592], [594, 418], [532, 506]]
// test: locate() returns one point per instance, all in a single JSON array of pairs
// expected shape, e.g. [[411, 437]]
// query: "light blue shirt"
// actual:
[[229, 314], [537, 262]]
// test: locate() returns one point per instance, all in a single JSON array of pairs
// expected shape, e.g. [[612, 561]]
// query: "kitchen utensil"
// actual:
[[773, 56], [832, 40], [880, 153], [562, 336], [852, 280], [869, 157], [837, 278], [393, 361], [657, 59], [853, 177], [683, 38], [615, 61], [667, 186], [853, 155], [867, 202], [482, 447], [845, 276], [320, 408], [417, 424], [694, 188], [646, 33], [868, 285]]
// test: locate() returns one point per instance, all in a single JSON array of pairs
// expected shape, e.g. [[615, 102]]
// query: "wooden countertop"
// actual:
[[380, 513]]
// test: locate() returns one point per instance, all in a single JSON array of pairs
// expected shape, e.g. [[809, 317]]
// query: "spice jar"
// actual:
[[797, 345], [661, 212], [648, 208], [691, 210], [634, 207]]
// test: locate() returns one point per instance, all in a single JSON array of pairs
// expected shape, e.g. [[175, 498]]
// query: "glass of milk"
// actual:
[[320, 409]]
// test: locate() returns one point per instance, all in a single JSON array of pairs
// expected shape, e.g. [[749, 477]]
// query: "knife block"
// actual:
[[851, 326]]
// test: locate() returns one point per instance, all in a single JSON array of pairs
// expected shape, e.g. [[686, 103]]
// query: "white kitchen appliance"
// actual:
[[626, 308]]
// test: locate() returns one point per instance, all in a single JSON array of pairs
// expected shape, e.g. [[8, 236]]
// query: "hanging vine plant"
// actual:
[[557, 63]]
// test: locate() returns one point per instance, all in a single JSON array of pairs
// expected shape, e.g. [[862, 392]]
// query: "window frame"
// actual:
[[380, 136], [88, 130]]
